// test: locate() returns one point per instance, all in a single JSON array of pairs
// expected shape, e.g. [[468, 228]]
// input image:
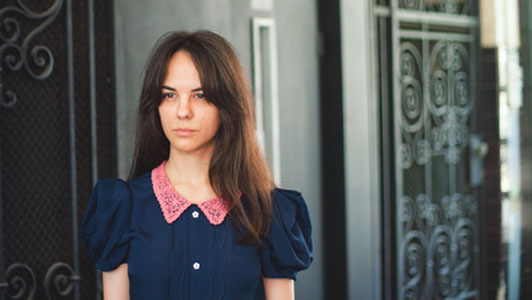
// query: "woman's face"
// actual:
[[189, 121]]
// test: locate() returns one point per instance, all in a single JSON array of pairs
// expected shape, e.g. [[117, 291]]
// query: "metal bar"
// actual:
[[2, 274], [378, 206], [436, 18], [395, 37], [474, 52], [381, 11], [452, 102], [72, 136], [388, 266], [425, 77], [423, 35], [93, 110], [92, 93]]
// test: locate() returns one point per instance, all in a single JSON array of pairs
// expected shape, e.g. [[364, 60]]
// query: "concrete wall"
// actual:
[[137, 27]]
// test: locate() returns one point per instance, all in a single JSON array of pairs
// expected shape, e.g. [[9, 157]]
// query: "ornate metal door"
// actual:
[[429, 48], [56, 138]]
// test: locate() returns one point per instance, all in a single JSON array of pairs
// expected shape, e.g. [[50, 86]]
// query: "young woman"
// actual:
[[199, 216]]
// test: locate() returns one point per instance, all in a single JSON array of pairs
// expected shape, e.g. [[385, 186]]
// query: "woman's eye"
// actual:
[[168, 95], [199, 95]]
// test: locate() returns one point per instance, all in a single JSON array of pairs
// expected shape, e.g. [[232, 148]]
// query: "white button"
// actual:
[[195, 214], [196, 266]]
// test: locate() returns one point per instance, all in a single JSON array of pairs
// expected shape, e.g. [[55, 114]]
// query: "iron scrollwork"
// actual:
[[59, 280], [21, 283], [38, 60], [439, 240]]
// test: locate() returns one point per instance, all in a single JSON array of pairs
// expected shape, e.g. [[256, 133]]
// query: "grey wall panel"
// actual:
[[299, 117]]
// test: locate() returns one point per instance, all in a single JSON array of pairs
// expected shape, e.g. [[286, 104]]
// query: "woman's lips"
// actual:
[[184, 131]]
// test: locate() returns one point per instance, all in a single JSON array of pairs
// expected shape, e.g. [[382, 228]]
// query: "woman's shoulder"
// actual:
[[140, 181], [110, 187], [286, 192], [105, 225], [288, 246], [289, 204], [287, 201], [284, 201], [114, 184]]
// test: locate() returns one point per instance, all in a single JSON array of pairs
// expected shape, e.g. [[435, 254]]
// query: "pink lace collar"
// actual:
[[173, 205]]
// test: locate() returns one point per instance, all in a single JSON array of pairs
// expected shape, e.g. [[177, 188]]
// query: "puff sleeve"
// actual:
[[288, 247], [105, 226]]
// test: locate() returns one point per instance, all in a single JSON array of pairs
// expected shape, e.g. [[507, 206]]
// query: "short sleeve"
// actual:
[[105, 226], [287, 248]]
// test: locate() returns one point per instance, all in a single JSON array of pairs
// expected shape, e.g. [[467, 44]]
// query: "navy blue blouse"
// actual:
[[180, 250]]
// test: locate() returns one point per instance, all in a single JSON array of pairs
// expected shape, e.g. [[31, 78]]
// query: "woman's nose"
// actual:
[[183, 108]]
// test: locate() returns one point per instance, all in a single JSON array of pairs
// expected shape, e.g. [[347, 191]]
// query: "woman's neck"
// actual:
[[189, 168]]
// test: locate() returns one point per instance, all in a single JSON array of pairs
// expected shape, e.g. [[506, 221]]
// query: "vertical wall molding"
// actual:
[[266, 91], [360, 123]]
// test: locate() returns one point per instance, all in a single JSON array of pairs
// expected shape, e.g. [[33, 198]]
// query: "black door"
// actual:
[[57, 135]]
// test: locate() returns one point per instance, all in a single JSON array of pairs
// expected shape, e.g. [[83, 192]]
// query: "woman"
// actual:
[[199, 217]]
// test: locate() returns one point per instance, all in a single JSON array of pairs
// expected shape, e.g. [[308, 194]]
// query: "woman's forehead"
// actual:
[[182, 72]]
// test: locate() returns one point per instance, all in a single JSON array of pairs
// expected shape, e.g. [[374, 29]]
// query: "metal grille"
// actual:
[[437, 214], [432, 97], [443, 6], [41, 258]]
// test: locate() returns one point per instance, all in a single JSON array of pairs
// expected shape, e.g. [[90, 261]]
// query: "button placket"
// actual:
[[195, 263]]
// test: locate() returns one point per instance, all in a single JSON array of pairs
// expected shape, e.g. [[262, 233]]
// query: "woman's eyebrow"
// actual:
[[172, 89], [168, 88]]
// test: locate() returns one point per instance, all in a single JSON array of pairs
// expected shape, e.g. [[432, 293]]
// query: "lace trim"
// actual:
[[173, 205]]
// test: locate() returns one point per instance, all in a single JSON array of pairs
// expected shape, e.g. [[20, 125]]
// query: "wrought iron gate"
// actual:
[[429, 47], [56, 137]]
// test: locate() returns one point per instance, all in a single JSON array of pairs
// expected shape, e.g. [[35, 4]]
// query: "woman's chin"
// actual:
[[188, 148]]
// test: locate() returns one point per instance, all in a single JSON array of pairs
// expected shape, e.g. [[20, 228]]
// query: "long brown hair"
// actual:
[[237, 163]]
